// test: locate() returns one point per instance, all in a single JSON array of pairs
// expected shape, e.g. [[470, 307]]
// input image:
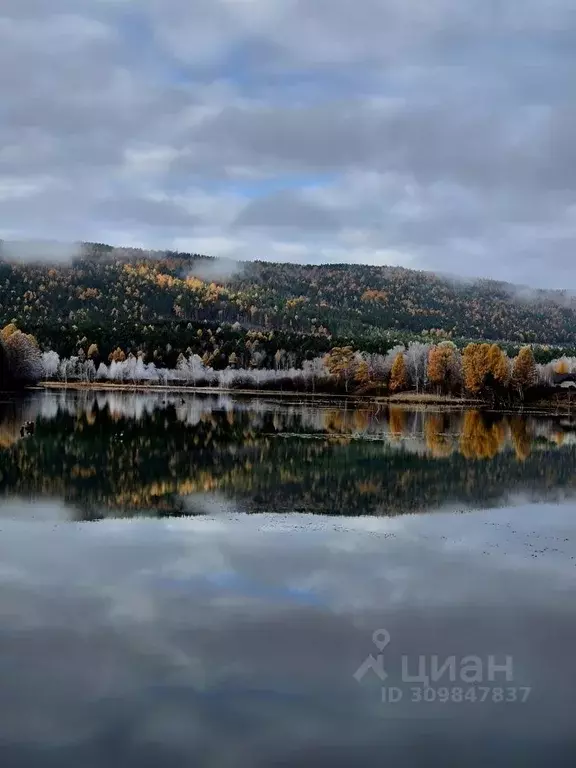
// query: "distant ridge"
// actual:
[[127, 291]]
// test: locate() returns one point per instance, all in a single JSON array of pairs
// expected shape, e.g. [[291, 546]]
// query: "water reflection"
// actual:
[[109, 454], [233, 641]]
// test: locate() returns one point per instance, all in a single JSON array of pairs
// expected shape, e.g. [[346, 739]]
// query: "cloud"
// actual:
[[221, 269], [286, 211], [433, 134], [39, 251]]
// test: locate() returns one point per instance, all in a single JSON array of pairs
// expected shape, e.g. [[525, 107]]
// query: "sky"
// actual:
[[431, 134]]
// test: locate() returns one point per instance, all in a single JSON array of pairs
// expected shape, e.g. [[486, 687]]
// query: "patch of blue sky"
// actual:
[[257, 75], [254, 188], [252, 67], [237, 583], [253, 588], [135, 31]]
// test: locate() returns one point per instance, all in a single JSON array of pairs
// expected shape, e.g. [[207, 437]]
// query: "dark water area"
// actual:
[[115, 454], [207, 582]]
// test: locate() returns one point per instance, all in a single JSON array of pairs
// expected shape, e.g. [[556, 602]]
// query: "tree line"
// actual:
[[481, 370]]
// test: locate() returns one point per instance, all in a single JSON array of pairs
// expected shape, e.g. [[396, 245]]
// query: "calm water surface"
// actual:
[[196, 581]]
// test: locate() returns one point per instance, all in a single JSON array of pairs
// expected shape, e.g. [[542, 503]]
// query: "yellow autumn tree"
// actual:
[[436, 367], [524, 371], [470, 372], [476, 366], [7, 331], [498, 365], [362, 374], [342, 363], [483, 360], [443, 366], [118, 356], [562, 367], [398, 374]]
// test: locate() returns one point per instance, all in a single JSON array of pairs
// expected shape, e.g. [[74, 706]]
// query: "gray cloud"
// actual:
[[40, 251], [437, 135], [145, 212], [286, 210]]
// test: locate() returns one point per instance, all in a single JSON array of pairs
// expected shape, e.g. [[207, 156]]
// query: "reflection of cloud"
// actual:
[[41, 510], [122, 625], [214, 504]]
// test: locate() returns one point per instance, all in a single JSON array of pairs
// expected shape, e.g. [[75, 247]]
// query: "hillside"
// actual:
[[166, 303]]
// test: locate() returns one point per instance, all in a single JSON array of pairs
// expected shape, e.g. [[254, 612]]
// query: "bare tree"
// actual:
[[416, 362]]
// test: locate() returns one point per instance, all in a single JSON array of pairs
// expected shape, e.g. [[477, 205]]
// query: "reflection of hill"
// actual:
[[109, 457]]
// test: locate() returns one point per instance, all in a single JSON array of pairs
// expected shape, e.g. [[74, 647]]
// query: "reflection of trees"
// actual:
[[9, 434], [12, 415], [335, 420], [521, 439], [480, 440], [344, 421], [398, 421], [437, 442], [105, 462]]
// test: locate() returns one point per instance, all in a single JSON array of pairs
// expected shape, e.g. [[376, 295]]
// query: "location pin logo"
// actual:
[[381, 638]]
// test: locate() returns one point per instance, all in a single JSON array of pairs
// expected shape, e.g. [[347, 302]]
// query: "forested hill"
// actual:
[[133, 298]]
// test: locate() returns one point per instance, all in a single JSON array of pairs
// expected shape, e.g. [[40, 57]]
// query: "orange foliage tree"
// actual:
[[118, 356], [443, 366], [398, 374], [7, 331], [524, 371], [342, 362], [484, 367], [498, 365], [562, 366]]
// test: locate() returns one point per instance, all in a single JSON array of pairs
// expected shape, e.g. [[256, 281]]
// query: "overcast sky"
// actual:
[[435, 134]]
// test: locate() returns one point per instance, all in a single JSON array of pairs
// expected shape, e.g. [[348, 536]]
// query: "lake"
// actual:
[[216, 581]]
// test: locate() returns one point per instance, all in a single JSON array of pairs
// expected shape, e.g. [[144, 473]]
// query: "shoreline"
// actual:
[[408, 398], [421, 400]]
